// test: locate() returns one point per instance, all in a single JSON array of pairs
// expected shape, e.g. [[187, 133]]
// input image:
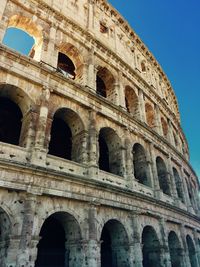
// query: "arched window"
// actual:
[[178, 183], [174, 250], [143, 67], [151, 249], [105, 84], [60, 243], [114, 245], [66, 138], [150, 115], [164, 127], [10, 121], [140, 165], [66, 66], [24, 36], [110, 154], [131, 101], [162, 176], [20, 41], [191, 251]]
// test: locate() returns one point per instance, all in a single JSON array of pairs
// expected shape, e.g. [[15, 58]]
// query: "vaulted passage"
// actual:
[[66, 135], [60, 242], [140, 165], [151, 248], [61, 139], [114, 246], [110, 154], [175, 250], [192, 252], [178, 183], [10, 121], [162, 176]]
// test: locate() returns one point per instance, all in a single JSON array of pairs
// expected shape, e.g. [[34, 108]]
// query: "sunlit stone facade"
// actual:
[[94, 163]]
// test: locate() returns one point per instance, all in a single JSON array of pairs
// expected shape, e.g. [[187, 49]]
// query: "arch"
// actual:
[[5, 232], [151, 248], [14, 104], [29, 26], [114, 245], [162, 176], [131, 101], [73, 57], [110, 154], [191, 251], [140, 165], [150, 115], [67, 135], [66, 66], [175, 250], [105, 84], [164, 127], [60, 242], [178, 183], [143, 66]]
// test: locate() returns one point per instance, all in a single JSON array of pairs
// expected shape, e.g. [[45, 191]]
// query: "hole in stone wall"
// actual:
[[66, 66], [10, 121], [20, 41], [61, 139]]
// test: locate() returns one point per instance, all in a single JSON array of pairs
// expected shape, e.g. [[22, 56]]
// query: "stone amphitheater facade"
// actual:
[[94, 163]]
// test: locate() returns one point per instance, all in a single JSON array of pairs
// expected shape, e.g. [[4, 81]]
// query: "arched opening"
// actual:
[[20, 27], [164, 127], [114, 245], [131, 101], [5, 232], [140, 165], [60, 243], [24, 46], [110, 154], [174, 250], [66, 66], [10, 121], [178, 183], [143, 67], [70, 61], [105, 84], [151, 248], [163, 176], [192, 252], [66, 139], [150, 115]]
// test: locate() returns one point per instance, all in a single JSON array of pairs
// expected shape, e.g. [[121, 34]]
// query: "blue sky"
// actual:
[[171, 31]]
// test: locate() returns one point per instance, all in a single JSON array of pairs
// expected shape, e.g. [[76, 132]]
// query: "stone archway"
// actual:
[[131, 101], [110, 154], [175, 250], [114, 245], [140, 165], [163, 176], [150, 115], [151, 248], [178, 183], [66, 135], [60, 243], [191, 251]]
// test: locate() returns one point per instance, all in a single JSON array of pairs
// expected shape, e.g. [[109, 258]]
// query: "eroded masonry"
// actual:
[[94, 163]]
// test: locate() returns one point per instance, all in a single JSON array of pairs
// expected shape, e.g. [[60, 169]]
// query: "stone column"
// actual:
[[80, 147], [150, 166], [121, 91], [3, 23], [170, 133], [90, 22], [165, 254], [142, 113], [24, 253], [92, 245], [11, 253], [39, 151], [93, 149], [136, 256], [158, 126], [90, 71], [129, 164], [185, 190]]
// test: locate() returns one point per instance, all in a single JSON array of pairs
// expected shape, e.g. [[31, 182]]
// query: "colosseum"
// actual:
[[94, 163]]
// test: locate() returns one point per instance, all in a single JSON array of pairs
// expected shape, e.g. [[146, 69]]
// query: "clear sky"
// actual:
[[171, 31]]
